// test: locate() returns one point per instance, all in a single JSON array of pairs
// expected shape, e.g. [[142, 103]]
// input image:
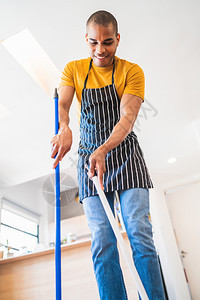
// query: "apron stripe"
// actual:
[[142, 166], [131, 164]]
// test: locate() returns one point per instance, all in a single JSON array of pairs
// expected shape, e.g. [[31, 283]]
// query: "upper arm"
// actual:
[[67, 77], [135, 82], [129, 107], [67, 87]]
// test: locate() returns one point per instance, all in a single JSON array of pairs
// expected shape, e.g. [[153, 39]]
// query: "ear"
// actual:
[[118, 39], [86, 37]]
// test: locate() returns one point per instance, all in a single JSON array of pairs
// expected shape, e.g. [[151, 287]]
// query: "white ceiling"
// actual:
[[161, 36]]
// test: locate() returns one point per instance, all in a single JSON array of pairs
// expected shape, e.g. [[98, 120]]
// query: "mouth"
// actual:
[[100, 58]]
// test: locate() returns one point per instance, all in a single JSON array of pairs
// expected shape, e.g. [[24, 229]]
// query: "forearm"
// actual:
[[66, 94], [63, 116], [129, 109], [119, 133]]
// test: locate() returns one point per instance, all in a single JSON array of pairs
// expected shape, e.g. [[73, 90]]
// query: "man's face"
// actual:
[[102, 44]]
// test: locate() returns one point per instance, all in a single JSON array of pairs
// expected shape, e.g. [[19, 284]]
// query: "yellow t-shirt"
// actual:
[[128, 78]]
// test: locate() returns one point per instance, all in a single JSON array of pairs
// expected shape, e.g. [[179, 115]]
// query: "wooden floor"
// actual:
[[33, 278]]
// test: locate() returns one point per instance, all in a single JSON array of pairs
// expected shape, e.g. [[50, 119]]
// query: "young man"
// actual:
[[109, 94]]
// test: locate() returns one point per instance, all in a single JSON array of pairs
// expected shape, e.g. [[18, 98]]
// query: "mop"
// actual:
[[57, 213]]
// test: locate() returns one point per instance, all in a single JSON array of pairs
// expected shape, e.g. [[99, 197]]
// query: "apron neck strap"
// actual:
[[113, 71], [91, 67], [88, 73]]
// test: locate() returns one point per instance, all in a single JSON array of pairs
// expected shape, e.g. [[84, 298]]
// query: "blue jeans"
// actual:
[[105, 256]]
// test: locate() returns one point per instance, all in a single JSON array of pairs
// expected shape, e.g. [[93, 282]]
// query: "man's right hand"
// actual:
[[61, 144]]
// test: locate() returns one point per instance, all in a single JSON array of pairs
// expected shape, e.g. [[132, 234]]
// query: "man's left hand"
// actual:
[[97, 163]]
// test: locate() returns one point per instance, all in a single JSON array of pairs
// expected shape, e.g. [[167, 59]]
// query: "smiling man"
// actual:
[[102, 42], [109, 91]]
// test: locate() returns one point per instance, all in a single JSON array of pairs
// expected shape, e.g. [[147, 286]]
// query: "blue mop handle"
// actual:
[[57, 212]]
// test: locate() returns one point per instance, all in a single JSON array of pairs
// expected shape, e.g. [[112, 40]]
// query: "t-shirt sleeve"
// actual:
[[67, 77], [135, 82]]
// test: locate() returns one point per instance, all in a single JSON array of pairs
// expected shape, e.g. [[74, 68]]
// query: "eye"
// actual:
[[105, 43], [108, 43]]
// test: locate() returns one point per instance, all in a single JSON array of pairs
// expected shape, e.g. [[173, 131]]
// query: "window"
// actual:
[[18, 230]]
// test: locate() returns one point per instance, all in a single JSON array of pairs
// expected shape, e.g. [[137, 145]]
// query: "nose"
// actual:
[[100, 49]]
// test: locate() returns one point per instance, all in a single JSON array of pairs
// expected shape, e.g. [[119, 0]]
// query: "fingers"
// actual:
[[60, 145], [100, 171], [54, 151], [59, 157], [54, 146], [65, 152], [100, 177], [92, 168]]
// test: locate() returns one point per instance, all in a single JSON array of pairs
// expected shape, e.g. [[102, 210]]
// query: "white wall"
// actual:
[[77, 225], [167, 247], [184, 207]]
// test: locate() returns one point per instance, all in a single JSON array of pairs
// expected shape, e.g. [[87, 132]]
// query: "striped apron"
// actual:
[[125, 164]]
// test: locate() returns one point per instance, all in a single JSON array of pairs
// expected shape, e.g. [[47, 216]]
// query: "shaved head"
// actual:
[[103, 18]]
